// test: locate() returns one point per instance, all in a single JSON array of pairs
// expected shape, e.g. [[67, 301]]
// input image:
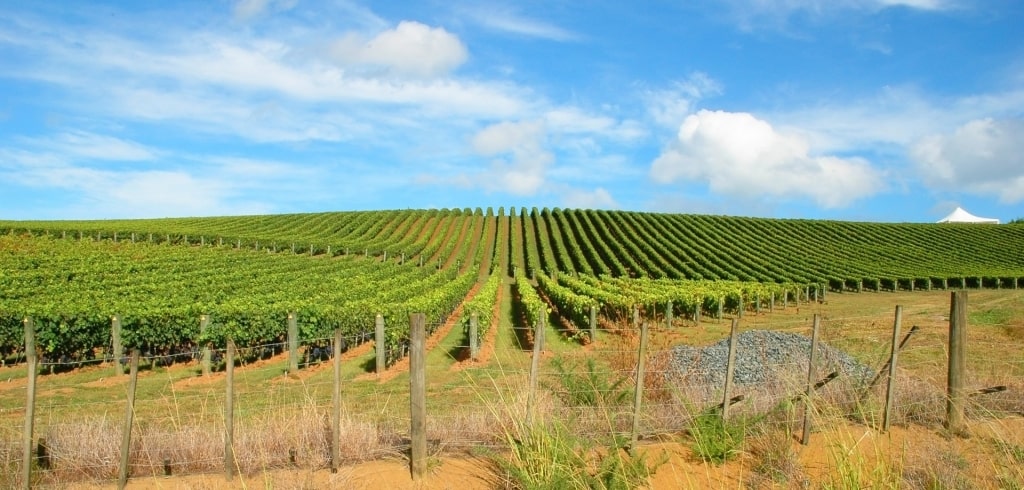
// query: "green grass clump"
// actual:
[[549, 456], [590, 388], [716, 440]]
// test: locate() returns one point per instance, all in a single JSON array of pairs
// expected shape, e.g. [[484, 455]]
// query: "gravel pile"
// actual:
[[761, 356]]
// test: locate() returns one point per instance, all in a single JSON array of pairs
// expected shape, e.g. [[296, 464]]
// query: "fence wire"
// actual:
[[283, 419]]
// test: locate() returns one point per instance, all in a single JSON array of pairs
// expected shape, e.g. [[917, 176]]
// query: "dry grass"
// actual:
[[294, 436]]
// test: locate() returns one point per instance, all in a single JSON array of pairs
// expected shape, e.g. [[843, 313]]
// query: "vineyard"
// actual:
[[342, 289], [341, 270]]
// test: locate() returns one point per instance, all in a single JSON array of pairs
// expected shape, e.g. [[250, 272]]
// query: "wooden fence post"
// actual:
[[129, 415], [696, 311], [418, 396], [542, 323], [336, 403], [730, 367], [229, 413], [293, 344], [593, 323], [957, 361], [638, 392], [813, 358], [205, 355], [379, 344], [534, 371], [30, 403], [115, 340], [474, 340], [668, 314], [891, 388]]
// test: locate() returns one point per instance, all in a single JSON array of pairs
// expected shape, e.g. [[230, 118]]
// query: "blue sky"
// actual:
[[877, 110]]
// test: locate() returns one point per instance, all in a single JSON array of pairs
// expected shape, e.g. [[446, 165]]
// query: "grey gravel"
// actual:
[[762, 356]]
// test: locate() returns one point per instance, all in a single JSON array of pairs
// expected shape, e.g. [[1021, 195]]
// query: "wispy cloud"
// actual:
[[505, 19], [776, 14]]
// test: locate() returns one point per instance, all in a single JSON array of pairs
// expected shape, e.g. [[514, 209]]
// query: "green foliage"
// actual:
[[715, 440], [550, 457], [533, 306], [592, 387], [482, 305]]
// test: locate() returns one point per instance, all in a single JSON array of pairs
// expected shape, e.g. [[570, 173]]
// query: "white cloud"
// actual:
[[505, 20], [919, 4], [524, 172], [265, 88], [896, 117], [739, 155], [598, 198], [752, 14], [983, 156], [668, 107], [411, 48], [248, 9], [573, 120], [87, 145]]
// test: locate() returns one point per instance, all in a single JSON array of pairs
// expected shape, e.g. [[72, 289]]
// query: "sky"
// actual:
[[864, 110]]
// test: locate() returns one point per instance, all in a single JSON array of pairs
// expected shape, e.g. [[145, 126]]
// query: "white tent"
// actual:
[[961, 216]]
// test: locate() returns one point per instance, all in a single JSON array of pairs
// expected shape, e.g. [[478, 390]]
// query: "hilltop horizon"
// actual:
[[859, 110]]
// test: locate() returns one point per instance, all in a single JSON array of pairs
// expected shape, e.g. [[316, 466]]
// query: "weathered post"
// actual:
[[379, 344], [890, 391], [418, 396], [730, 367], [474, 340], [30, 403], [229, 412], [336, 403], [206, 356], [293, 343], [115, 340], [638, 393], [813, 358], [534, 372], [957, 361], [129, 414], [593, 323]]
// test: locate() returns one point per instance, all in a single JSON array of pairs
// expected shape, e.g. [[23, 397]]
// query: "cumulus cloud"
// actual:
[[521, 162], [983, 156], [411, 48], [740, 155]]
